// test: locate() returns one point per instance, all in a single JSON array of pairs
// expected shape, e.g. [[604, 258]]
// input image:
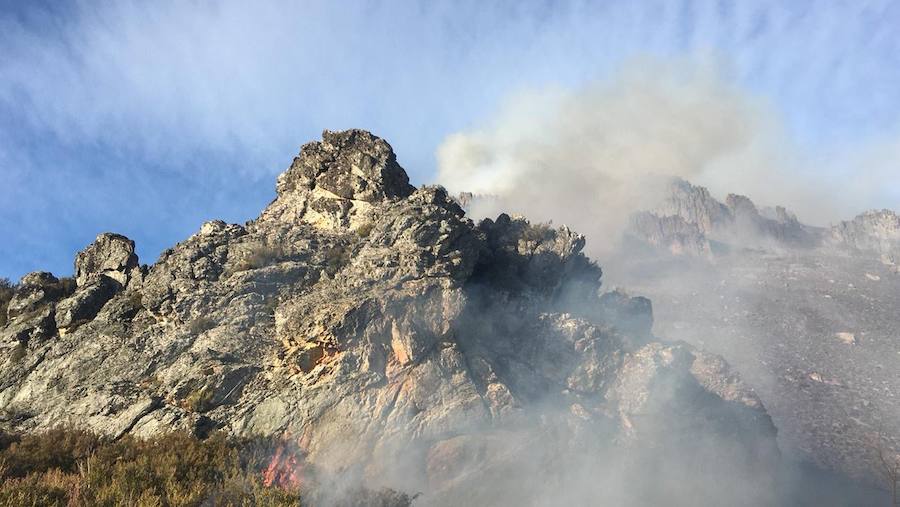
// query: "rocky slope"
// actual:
[[393, 339], [807, 314]]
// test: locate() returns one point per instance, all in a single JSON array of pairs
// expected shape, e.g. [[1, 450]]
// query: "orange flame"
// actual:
[[285, 470]]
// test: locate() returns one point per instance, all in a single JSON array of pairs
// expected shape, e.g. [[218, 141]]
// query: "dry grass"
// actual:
[[7, 289], [73, 468], [259, 256]]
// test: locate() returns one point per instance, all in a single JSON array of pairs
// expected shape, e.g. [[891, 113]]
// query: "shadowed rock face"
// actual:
[[379, 327]]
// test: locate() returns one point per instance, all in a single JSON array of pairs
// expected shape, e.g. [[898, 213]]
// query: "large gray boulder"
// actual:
[[111, 255]]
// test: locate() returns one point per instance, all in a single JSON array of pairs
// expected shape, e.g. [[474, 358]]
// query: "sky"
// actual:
[[149, 118]]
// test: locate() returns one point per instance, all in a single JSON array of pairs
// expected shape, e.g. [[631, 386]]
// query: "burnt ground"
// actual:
[[817, 334]]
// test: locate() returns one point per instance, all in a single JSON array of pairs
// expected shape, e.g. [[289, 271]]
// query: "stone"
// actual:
[[34, 291], [86, 302], [875, 231], [111, 255]]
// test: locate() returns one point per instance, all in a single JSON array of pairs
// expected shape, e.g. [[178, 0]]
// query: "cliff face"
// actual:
[[689, 221], [873, 231], [372, 322]]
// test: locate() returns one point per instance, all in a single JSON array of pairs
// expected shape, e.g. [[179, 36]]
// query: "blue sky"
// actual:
[[148, 118]]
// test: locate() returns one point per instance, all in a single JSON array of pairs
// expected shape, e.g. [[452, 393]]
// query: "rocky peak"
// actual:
[[695, 205], [741, 206], [372, 322], [691, 221], [334, 183], [110, 255]]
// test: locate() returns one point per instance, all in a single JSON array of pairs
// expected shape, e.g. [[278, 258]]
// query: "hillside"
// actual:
[[396, 343]]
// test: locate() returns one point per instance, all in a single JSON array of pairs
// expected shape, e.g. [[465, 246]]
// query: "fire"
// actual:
[[285, 470]]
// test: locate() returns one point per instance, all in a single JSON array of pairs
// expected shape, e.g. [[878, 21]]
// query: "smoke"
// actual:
[[590, 157]]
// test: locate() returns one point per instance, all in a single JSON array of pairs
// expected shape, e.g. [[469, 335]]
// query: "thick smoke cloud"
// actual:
[[590, 157]]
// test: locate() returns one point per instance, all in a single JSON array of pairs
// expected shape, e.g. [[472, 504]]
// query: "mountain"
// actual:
[[394, 342], [807, 314]]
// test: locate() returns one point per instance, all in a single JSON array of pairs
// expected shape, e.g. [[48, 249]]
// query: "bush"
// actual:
[[259, 256], [17, 353], [55, 449], [7, 290], [365, 229], [199, 401], [537, 233], [76, 468], [66, 286]]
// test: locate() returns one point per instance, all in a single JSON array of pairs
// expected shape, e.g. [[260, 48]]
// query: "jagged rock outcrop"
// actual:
[[670, 233], [333, 183], [872, 231], [110, 255], [696, 206], [376, 325], [690, 221]]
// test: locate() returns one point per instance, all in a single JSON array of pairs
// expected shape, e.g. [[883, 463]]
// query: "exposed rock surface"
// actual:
[[109, 255], [690, 221], [807, 314], [373, 322], [872, 231]]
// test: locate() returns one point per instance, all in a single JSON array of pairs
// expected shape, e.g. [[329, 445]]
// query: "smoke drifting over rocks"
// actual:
[[396, 343], [658, 171], [594, 156]]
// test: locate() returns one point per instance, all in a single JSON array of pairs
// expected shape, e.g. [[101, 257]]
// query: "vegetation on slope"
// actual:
[[75, 468]]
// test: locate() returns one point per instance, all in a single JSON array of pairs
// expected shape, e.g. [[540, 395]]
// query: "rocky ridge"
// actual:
[[690, 221], [807, 314], [391, 337]]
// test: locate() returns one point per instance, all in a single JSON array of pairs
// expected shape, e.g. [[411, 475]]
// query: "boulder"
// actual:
[[86, 302], [334, 183], [111, 255], [35, 290]]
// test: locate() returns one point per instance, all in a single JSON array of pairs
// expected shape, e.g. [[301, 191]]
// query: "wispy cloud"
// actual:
[[178, 98]]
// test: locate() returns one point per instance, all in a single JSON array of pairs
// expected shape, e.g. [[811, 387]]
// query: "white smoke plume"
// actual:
[[592, 156]]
